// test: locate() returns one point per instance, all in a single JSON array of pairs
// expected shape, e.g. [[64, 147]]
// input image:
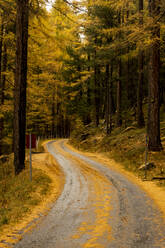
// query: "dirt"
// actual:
[[44, 161], [100, 206], [155, 192]]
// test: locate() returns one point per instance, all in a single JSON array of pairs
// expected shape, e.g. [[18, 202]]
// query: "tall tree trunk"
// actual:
[[3, 81], [153, 125], [109, 98], [140, 116], [118, 89], [128, 79], [118, 96], [96, 88], [58, 107], [111, 102], [4, 68], [97, 97], [88, 119], [128, 71], [1, 86], [53, 111], [20, 85]]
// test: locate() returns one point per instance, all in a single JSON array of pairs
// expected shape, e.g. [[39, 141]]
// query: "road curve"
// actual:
[[98, 208]]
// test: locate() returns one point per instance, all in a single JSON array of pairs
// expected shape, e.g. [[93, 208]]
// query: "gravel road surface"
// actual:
[[98, 208]]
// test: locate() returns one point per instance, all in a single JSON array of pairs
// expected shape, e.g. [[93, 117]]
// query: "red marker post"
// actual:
[[30, 143]]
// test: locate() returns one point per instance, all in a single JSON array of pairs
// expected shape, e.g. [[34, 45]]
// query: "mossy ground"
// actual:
[[18, 194], [22, 202]]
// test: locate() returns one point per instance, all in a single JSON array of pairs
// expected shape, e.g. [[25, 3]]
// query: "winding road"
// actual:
[[98, 208]]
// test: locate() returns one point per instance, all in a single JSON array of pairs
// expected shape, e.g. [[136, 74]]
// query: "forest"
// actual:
[[69, 66]]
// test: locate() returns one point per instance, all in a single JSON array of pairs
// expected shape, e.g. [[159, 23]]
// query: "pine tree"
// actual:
[[20, 85], [140, 116], [1, 86], [153, 125]]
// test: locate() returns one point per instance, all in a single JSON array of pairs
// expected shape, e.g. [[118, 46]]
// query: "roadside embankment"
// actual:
[[23, 203], [113, 159]]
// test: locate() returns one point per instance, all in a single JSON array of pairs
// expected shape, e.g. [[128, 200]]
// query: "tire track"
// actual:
[[136, 222], [98, 208]]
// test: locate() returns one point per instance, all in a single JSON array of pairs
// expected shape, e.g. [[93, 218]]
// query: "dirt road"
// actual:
[[99, 208]]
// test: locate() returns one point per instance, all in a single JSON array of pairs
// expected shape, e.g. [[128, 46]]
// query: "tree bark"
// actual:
[[1, 87], [53, 112], [88, 119], [118, 89], [97, 97], [140, 115], [129, 81], [109, 98], [3, 81], [4, 68], [118, 96], [20, 85], [153, 125]]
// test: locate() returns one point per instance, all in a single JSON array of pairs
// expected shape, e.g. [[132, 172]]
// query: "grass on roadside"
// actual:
[[17, 194]]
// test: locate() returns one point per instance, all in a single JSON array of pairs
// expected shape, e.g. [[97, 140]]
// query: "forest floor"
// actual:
[[126, 146], [24, 203]]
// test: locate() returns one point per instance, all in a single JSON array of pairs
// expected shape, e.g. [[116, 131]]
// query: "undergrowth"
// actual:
[[125, 145], [18, 194]]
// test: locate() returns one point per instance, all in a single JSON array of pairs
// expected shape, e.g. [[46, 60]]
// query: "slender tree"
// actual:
[[1, 84], [153, 125], [88, 118], [20, 85], [119, 83], [118, 96], [96, 91], [107, 98], [140, 116]]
